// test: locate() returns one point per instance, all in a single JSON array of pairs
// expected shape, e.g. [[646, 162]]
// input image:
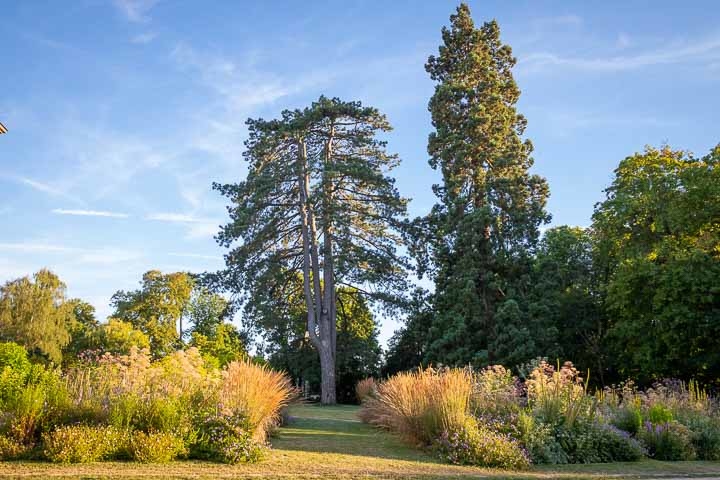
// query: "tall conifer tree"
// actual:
[[486, 224], [318, 204]]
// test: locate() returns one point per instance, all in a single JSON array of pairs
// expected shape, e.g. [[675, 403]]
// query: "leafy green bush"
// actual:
[[14, 356], [227, 439], [156, 447], [628, 418], [82, 443], [600, 443], [705, 434], [668, 441], [540, 440], [658, 414], [477, 445]]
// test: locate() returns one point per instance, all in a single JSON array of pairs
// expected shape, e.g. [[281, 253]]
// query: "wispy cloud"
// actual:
[[135, 10], [143, 38], [108, 256], [203, 230], [89, 213], [241, 86], [686, 52], [623, 41], [43, 187], [564, 122], [197, 227]]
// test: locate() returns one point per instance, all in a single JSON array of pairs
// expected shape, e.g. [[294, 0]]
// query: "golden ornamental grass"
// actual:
[[257, 391], [421, 404], [365, 388]]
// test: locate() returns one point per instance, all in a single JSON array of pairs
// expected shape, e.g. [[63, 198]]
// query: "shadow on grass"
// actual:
[[348, 436]]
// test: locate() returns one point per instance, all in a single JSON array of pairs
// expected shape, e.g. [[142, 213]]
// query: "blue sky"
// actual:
[[121, 113]]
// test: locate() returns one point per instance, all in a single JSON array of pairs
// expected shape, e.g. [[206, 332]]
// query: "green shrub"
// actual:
[[168, 415], [659, 414], [227, 439], [14, 356], [477, 445], [668, 441], [156, 447], [82, 443], [628, 419], [601, 443], [540, 441], [11, 449], [705, 434]]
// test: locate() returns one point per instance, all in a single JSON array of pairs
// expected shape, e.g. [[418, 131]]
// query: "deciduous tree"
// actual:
[[35, 314], [156, 308]]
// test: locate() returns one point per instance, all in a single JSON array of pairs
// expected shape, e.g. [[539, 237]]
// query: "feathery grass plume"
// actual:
[[421, 404], [559, 396], [257, 391], [365, 388]]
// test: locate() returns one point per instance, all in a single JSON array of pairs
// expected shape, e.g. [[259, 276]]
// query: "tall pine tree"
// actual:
[[318, 203], [483, 231]]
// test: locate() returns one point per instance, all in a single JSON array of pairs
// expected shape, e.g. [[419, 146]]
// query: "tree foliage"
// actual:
[[156, 308], [481, 235], [119, 337], [658, 237], [358, 350], [35, 314]]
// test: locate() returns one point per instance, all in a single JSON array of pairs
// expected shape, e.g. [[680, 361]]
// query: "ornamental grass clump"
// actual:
[[365, 388], [257, 392], [433, 409], [559, 396], [421, 404]]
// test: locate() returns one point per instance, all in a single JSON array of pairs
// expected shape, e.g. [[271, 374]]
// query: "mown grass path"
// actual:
[[330, 442]]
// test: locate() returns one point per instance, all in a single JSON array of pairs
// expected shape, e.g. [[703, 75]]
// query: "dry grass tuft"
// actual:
[[258, 392], [365, 388], [421, 404]]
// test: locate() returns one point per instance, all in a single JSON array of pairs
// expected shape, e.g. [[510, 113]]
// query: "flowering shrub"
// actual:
[[668, 441], [478, 445], [11, 449], [705, 435], [227, 438], [82, 443], [597, 442], [559, 396], [156, 447]]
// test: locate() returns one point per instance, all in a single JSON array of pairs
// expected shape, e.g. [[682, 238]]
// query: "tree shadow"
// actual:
[[346, 437]]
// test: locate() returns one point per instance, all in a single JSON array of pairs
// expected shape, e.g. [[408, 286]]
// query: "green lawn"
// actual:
[[329, 442]]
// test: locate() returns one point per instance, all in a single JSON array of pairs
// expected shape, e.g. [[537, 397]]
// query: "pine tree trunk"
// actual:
[[327, 373]]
